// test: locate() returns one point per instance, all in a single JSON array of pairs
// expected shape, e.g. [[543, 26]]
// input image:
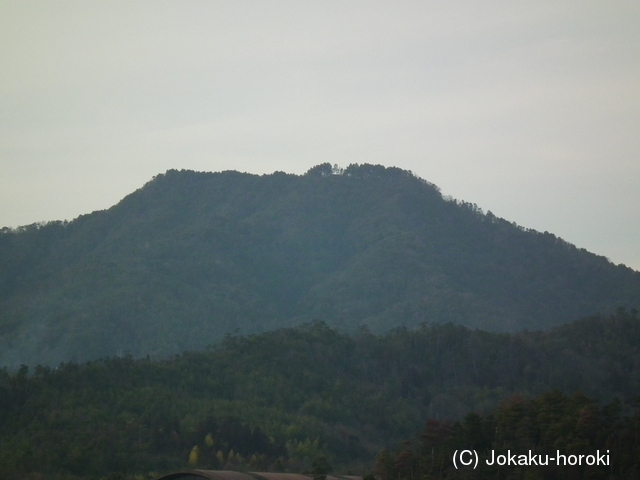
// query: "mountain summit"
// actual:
[[193, 256]]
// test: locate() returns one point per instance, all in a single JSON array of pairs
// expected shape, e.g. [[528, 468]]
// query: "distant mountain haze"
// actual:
[[193, 256]]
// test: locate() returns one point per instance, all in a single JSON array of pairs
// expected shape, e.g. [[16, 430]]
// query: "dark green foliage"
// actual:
[[311, 398], [192, 256], [525, 429]]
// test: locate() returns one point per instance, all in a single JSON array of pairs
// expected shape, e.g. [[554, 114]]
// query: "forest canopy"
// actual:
[[192, 256], [294, 398]]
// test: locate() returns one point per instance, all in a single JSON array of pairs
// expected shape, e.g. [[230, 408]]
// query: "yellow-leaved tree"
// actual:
[[194, 456]]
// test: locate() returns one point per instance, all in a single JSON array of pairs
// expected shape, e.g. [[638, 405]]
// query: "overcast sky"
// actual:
[[530, 109]]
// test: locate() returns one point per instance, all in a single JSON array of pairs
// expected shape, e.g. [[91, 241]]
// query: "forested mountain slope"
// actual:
[[282, 399], [192, 256], [595, 442]]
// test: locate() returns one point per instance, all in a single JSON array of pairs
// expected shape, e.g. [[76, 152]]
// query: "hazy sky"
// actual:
[[531, 109]]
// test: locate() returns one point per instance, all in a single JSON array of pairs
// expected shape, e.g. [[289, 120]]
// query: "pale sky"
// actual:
[[530, 109]]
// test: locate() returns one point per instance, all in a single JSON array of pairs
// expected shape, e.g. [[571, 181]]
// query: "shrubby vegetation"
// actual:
[[192, 256], [310, 397]]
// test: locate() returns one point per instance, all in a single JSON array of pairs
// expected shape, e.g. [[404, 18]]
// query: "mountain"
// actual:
[[193, 256]]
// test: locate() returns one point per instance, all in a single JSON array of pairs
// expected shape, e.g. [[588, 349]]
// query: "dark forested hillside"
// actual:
[[551, 437], [287, 399], [192, 256]]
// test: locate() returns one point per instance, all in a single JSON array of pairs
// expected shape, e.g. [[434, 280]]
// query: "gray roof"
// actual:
[[229, 475]]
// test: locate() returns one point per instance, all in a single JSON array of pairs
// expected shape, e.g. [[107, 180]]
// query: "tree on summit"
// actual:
[[322, 170]]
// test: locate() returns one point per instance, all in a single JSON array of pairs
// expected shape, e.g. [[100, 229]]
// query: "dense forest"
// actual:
[[314, 399], [193, 256], [551, 437]]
